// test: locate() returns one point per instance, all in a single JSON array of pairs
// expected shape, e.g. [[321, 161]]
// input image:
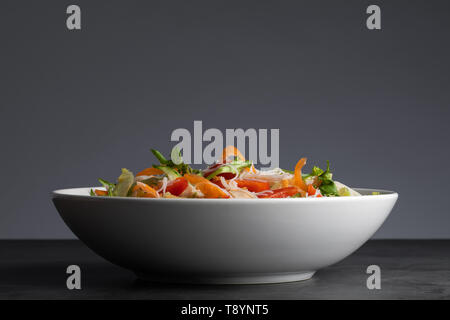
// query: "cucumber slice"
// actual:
[[171, 173]]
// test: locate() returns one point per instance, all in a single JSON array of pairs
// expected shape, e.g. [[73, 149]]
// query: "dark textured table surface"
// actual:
[[410, 269]]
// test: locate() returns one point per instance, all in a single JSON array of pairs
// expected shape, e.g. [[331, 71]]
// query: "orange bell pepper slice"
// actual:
[[253, 185], [194, 179], [145, 191], [209, 189], [149, 172]]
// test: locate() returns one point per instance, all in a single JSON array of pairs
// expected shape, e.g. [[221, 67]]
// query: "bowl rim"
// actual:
[[64, 194]]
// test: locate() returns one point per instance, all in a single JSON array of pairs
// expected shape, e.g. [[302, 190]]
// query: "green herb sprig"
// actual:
[[175, 163], [327, 186]]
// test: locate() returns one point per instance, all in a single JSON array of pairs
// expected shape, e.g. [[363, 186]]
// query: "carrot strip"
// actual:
[[101, 192], [311, 190], [231, 151], [298, 180]]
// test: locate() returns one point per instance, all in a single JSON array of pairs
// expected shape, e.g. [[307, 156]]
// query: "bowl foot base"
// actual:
[[228, 279]]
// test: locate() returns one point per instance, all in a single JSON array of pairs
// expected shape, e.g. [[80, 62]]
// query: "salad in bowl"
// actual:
[[228, 223], [232, 176]]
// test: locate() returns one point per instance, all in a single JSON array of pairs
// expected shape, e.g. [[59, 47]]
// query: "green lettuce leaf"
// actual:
[[124, 184]]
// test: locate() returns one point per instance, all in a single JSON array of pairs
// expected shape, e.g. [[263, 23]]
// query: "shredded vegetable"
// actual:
[[232, 176]]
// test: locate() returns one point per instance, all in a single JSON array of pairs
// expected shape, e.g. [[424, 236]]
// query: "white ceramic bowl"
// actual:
[[223, 240]]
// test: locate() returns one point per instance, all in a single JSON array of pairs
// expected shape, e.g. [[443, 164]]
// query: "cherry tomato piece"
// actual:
[[278, 193], [177, 186], [217, 181], [211, 169]]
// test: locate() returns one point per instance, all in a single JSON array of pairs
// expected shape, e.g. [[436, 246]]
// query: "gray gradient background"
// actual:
[[80, 105]]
